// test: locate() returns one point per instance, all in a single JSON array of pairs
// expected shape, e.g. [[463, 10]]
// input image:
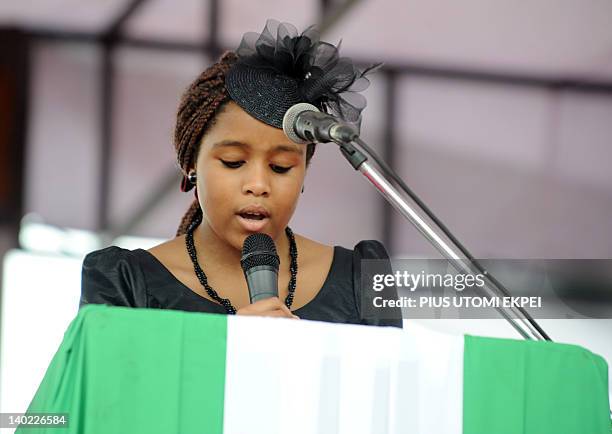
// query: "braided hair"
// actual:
[[199, 105]]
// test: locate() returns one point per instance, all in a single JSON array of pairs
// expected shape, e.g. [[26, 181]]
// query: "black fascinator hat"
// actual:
[[279, 68]]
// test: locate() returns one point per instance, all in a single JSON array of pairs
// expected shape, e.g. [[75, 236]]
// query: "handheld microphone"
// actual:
[[304, 123], [260, 264]]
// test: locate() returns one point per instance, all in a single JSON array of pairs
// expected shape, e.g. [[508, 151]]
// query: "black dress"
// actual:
[[135, 278]]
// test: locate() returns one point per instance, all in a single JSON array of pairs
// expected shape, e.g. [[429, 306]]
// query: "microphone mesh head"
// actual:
[[290, 117], [259, 249]]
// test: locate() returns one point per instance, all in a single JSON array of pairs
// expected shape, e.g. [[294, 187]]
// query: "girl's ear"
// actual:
[[188, 181], [191, 176]]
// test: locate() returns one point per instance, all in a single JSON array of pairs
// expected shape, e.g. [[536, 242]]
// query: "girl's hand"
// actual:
[[267, 307]]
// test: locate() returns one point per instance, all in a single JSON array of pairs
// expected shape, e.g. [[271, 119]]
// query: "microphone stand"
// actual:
[[414, 210]]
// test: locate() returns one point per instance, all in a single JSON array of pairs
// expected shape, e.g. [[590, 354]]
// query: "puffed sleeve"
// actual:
[[112, 276], [364, 294]]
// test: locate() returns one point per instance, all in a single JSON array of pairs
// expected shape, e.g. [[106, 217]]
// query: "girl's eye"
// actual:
[[280, 169], [232, 164], [237, 164]]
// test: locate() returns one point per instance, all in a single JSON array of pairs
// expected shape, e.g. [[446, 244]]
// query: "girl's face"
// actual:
[[249, 176]]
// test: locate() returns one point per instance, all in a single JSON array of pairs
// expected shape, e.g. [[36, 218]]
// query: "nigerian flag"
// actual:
[[123, 370]]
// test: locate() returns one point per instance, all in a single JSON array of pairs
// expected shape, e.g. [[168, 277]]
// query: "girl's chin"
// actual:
[[235, 233]]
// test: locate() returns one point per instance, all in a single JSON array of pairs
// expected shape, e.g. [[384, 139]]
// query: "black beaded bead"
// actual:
[[226, 303]]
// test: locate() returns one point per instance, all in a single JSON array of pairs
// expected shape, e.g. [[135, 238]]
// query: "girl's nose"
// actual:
[[256, 181]]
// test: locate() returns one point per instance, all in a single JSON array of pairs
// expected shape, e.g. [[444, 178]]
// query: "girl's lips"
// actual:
[[252, 225]]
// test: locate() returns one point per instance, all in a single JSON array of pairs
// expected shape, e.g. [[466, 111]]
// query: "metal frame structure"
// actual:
[[331, 13]]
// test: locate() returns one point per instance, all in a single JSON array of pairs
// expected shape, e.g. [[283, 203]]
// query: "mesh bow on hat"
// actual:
[[279, 68]]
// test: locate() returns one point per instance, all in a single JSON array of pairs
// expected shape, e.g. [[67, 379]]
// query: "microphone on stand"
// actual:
[[304, 123], [260, 264]]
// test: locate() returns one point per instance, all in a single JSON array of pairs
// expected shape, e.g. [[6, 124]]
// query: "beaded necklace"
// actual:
[[225, 302]]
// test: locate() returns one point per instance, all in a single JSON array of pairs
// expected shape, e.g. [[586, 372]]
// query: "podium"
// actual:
[[121, 370]]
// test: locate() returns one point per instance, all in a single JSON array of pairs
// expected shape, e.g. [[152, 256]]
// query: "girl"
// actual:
[[248, 175]]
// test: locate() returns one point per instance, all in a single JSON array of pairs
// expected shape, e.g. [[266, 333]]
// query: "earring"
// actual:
[[302, 188], [192, 177]]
